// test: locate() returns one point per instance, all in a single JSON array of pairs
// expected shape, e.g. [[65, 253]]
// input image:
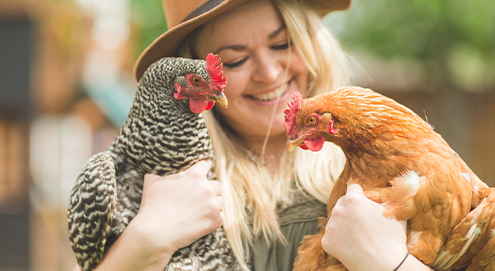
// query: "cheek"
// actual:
[[300, 72], [236, 84], [297, 66]]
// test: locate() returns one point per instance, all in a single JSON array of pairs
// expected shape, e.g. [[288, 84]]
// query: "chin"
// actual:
[[278, 127]]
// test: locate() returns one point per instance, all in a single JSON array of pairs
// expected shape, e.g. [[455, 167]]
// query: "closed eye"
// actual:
[[282, 46], [235, 64]]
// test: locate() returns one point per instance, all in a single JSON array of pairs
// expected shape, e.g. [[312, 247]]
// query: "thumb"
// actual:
[[201, 167], [355, 189]]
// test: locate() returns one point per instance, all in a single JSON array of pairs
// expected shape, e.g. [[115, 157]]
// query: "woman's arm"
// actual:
[[361, 237], [175, 211]]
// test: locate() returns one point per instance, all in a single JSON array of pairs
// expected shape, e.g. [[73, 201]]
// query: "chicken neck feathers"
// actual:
[[400, 161]]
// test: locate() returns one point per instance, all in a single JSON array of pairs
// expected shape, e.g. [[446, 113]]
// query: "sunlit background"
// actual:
[[66, 87]]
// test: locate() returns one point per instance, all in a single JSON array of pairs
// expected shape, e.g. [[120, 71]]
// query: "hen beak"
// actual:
[[292, 144], [220, 99]]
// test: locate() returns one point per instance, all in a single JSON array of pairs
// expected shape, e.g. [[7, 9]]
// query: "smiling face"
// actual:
[[253, 43]]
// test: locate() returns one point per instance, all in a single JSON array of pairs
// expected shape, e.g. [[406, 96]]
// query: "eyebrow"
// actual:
[[276, 32], [235, 47], [240, 47]]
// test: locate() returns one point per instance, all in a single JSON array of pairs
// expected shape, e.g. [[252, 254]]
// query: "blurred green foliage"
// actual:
[[453, 39], [149, 21]]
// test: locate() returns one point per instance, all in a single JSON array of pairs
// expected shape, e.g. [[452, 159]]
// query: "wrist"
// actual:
[[402, 262], [150, 242], [387, 259], [411, 263], [136, 250]]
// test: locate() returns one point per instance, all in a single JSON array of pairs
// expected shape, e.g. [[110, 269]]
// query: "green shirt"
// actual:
[[296, 220]]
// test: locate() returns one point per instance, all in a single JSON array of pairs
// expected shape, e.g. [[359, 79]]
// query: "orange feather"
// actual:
[[399, 160]]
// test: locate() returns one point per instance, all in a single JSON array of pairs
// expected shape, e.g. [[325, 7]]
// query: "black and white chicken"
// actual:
[[164, 133]]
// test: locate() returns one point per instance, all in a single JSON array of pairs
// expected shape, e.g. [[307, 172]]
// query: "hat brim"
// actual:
[[168, 43]]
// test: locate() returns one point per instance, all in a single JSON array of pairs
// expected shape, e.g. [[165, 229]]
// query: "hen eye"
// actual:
[[195, 80], [311, 120]]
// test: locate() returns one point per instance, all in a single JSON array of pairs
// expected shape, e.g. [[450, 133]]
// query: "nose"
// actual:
[[267, 68]]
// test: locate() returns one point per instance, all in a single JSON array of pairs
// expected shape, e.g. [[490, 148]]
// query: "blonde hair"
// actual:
[[250, 194]]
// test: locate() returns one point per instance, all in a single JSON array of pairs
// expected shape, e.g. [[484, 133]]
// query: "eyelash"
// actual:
[[280, 47], [236, 64]]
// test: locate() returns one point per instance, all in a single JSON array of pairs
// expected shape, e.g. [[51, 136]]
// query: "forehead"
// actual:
[[253, 20]]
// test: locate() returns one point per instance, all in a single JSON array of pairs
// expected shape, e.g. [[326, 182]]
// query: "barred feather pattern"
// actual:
[[91, 210], [161, 136]]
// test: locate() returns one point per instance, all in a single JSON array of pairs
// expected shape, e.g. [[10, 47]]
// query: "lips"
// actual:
[[272, 95]]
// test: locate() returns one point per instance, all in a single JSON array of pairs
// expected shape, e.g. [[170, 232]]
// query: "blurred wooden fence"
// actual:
[[465, 120]]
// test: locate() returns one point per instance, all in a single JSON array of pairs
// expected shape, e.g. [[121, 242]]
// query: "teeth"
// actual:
[[272, 94]]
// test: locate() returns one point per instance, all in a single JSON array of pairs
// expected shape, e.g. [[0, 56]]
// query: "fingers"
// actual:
[[217, 214], [216, 187], [354, 200], [198, 170], [186, 204], [355, 194], [195, 177]]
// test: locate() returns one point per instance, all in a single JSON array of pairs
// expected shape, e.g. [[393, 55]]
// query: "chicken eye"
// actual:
[[195, 81], [311, 120]]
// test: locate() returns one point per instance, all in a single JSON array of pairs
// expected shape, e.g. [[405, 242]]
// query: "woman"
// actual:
[[269, 200]]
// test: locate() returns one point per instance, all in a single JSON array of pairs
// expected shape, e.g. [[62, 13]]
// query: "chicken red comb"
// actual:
[[214, 68], [290, 114]]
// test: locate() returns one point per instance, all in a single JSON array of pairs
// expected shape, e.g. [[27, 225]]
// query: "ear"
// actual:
[[178, 89], [327, 118]]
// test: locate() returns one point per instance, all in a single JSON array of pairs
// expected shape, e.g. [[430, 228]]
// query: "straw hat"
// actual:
[[183, 16]]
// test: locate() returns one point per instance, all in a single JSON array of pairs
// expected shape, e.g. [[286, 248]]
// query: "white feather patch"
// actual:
[[413, 180], [467, 177], [413, 238]]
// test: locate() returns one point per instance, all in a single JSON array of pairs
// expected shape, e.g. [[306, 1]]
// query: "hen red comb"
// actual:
[[214, 68], [290, 114]]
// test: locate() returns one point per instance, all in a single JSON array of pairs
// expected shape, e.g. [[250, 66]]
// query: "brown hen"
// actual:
[[400, 161]]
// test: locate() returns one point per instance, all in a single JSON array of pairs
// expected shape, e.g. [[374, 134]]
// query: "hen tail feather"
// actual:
[[472, 241], [91, 210], [485, 260]]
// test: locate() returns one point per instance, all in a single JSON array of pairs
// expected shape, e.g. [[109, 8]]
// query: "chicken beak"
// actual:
[[292, 144], [220, 99]]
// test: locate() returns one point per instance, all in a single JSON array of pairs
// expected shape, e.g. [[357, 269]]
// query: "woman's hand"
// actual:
[[179, 209], [361, 237], [175, 211]]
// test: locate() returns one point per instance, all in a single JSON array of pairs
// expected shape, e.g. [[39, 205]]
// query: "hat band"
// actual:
[[205, 7]]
